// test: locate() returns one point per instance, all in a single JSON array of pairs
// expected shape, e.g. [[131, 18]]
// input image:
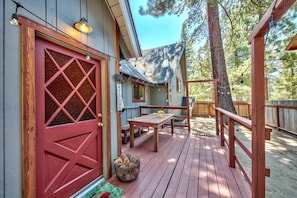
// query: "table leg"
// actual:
[[156, 139], [131, 135], [172, 126]]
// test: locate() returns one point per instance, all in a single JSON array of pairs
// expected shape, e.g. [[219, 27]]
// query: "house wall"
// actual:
[[1, 104], [11, 112], [61, 15], [127, 99], [175, 98], [159, 95]]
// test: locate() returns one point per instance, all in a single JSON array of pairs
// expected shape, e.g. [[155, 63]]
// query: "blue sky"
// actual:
[[155, 32]]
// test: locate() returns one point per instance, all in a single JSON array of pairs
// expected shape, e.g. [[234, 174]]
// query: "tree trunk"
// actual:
[[218, 58]]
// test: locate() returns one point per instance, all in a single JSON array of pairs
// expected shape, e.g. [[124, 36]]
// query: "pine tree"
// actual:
[[196, 20]]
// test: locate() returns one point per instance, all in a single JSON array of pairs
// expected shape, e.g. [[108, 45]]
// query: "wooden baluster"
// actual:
[[231, 143]]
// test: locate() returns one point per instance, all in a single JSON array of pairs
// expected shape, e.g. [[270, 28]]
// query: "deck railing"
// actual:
[[226, 122], [181, 113], [280, 116], [128, 113]]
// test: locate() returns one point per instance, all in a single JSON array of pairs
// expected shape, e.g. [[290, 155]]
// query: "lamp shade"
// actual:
[[14, 19], [83, 26]]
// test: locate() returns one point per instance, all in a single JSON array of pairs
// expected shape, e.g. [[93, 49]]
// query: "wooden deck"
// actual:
[[185, 166]]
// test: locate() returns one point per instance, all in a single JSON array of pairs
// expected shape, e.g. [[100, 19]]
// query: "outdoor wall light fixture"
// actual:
[[14, 19], [241, 79], [14, 16], [88, 57], [83, 26], [272, 22]]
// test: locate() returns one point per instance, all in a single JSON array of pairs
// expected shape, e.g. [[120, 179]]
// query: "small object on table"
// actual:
[[161, 112]]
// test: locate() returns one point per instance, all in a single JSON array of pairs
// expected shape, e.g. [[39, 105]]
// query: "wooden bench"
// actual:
[[126, 132]]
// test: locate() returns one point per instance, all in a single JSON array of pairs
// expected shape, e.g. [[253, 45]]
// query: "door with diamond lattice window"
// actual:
[[68, 113]]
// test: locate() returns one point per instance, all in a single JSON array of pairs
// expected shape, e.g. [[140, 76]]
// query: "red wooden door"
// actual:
[[68, 110]]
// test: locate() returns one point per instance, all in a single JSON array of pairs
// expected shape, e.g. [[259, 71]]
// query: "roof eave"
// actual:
[[121, 12]]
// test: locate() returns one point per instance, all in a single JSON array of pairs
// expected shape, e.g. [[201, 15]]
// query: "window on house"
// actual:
[[178, 85], [138, 92]]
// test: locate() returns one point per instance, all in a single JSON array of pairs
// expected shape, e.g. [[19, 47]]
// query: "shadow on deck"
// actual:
[[186, 165]]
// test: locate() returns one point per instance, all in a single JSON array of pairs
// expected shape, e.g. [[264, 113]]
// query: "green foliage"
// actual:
[[237, 21], [281, 67], [280, 64], [284, 85], [162, 7]]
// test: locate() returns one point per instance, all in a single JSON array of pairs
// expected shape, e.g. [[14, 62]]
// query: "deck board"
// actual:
[[183, 186], [178, 171], [193, 179], [213, 189], [202, 177], [184, 166], [223, 187], [148, 169], [169, 166]]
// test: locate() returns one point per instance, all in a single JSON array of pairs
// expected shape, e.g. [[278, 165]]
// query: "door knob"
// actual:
[[100, 124], [99, 115]]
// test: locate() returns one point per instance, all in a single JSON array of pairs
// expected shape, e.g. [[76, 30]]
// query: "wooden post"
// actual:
[[215, 84], [156, 139], [258, 118], [221, 127], [28, 113], [140, 111], [231, 143], [188, 108], [131, 135], [117, 71], [277, 9], [172, 126]]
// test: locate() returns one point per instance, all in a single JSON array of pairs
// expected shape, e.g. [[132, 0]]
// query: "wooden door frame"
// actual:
[[117, 71], [29, 31]]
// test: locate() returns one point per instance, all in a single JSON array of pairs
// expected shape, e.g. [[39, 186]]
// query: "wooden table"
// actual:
[[151, 120]]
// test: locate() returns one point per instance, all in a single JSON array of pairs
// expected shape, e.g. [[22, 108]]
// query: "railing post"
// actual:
[[222, 128], [140, 111], [258, 117], [231, 143], [217, 113], [188, 107]]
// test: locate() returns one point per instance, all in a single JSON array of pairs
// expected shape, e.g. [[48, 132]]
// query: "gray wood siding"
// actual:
[[11, 106], [2, 104], [158, 95], [127, 98]]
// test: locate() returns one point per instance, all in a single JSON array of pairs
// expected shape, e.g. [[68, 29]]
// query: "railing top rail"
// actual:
[[241, 120], [281, 106], [131, 107], [207, 80], [163, 107]]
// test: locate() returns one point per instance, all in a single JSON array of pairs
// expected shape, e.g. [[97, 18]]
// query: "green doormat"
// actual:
[[103, 190]]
